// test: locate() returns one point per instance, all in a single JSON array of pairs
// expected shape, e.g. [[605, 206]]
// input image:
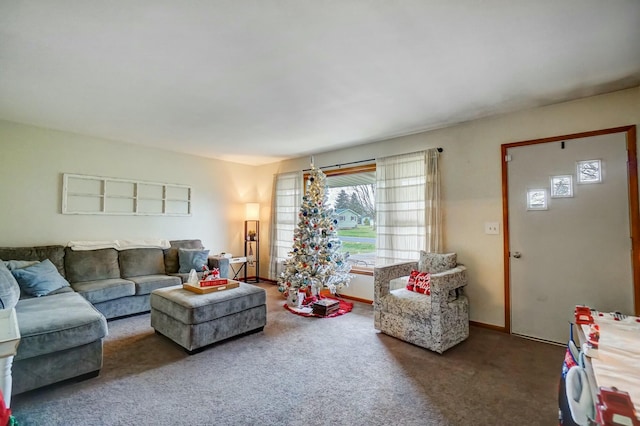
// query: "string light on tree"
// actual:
[[315, 262]]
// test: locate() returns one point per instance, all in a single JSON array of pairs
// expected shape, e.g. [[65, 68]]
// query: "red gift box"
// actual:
[[213, 282]]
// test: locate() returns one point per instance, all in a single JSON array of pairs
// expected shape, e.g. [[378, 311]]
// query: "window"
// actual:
[[351, 192]]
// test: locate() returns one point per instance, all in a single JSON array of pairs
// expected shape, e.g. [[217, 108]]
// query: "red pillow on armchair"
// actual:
[[419, 282]]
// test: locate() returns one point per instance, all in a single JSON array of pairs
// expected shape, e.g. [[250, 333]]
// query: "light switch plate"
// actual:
[[492, 228]]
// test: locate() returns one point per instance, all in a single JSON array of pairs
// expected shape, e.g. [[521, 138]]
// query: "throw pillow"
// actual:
[[19, 264], [423, 283], [40, 279], [419, 282], [9, 288], [436, 262], [192, 259], [412, 280]]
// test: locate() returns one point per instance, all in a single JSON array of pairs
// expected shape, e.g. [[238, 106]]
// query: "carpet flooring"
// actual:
[[306, 371]]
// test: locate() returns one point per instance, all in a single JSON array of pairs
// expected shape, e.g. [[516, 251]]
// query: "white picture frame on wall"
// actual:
[[98, 195], [537, 199], [561, 186]]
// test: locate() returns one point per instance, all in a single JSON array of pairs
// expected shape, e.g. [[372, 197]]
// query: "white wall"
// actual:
[[471, 174], [33, 161]]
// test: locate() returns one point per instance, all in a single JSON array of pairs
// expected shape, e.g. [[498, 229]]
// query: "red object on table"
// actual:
[[5, 413], [213, 282], [594, 336], [613, 402], [583, 315]]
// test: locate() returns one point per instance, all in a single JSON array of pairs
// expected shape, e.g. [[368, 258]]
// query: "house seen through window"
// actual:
[[352, 192]]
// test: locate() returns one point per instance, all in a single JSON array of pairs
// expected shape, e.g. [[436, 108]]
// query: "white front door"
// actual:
[[578, 249]]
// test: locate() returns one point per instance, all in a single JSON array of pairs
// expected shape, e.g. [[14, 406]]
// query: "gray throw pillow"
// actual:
[[40, 279], [192, 259], [9, 288], [437, 262]]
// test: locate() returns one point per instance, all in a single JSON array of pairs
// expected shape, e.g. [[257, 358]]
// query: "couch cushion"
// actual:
[[102, 290], [406, 302], [148, 283], [171, 262], [192, 259], [436, 262], [9, 288], [39, 279], [142, 261], [91, 265], [54, 253], [55, 323]]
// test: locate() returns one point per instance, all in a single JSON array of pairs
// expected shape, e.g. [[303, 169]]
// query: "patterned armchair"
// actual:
[[437, 321]]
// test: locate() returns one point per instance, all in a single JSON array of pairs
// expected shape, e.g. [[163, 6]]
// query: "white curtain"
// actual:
[[285, 205], [408, 217], [433, 205]]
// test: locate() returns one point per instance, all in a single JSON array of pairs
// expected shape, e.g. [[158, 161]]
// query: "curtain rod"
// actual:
[[352, 162], [344, 164]]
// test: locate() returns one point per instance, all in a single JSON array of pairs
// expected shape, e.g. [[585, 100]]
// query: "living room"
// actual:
[[34, 160], [37, 151]]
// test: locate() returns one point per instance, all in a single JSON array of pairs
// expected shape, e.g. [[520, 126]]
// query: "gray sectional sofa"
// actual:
[[62, 332]]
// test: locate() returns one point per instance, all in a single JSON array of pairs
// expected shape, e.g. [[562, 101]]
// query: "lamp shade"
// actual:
[[252, 211]]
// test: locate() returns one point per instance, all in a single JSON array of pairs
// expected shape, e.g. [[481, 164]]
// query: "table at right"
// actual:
[[617, 360]]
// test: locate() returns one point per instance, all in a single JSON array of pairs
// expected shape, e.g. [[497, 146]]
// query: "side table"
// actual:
[[242, 261]]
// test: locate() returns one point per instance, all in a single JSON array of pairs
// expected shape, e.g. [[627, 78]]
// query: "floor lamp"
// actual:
[[252, 237]]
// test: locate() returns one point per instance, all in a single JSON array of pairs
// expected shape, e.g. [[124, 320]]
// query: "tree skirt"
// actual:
[[306, 310]]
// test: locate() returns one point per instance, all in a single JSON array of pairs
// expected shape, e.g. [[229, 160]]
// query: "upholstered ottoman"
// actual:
[[195, 320]]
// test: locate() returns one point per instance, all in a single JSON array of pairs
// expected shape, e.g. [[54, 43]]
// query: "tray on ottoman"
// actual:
[[203, 289]]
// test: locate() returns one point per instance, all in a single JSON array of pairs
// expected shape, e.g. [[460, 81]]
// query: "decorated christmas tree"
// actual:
[[316, 262]]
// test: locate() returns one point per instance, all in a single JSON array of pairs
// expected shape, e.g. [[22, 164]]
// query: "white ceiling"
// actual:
[[262, 80]]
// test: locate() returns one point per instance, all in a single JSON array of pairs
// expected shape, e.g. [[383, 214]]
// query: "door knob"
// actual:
[[517, 255]]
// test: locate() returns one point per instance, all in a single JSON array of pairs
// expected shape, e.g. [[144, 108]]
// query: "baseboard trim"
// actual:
[[356, 299], [489, 326], [344, 296]]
